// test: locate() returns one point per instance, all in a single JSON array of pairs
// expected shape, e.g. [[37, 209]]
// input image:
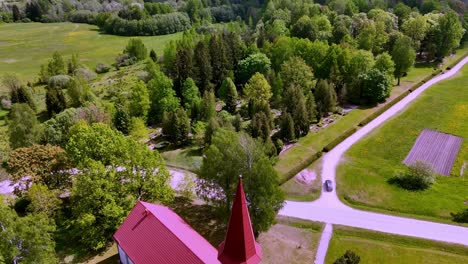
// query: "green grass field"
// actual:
[[363, 176], [375, 247], [25, 46]]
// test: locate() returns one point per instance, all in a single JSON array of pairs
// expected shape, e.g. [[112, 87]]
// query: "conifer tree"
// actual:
[[202, 66], [325, 97]]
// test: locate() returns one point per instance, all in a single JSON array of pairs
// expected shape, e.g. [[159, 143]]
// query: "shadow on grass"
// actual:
[[202, 218]]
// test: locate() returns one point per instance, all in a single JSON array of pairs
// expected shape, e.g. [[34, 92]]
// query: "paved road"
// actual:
[[323, 244], [329, 209]]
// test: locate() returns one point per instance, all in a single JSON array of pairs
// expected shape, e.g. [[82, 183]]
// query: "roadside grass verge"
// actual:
[[362, 178], [377, 247], [26, 46]]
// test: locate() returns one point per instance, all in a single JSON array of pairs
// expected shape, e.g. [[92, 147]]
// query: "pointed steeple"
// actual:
[[239, 246]]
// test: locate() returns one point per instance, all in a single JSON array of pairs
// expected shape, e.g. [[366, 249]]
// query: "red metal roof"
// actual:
[[155, 234], [239, 245]]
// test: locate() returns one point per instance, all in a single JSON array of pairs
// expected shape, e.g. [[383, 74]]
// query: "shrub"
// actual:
[[102, 68], [85, 73], [461, 217], [348, 258], [419, 176]]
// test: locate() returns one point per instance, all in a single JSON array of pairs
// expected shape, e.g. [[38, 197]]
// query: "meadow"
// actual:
[[375, 247], [364, 175], [24, 47]]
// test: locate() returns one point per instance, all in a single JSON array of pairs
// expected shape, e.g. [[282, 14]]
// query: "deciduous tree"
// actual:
[[403, 55]]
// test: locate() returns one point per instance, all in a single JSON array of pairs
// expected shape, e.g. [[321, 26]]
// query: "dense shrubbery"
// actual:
[[157, 25]]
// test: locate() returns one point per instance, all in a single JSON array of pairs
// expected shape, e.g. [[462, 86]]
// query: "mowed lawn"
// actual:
[[362, 178], [375, 247], [25, 46]]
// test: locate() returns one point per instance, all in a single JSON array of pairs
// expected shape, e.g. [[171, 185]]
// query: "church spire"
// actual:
[[239, 246]]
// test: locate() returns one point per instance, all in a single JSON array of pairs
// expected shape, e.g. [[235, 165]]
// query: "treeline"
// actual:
[[131, 19]]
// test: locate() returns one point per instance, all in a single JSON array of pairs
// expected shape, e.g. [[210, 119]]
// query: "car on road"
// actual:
[[328, 185]]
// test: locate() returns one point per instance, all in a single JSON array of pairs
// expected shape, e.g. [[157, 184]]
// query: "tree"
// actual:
[[258, 89], [137, 129], [95, 223], [295, 72], [208, 109], [419, 176], [385, 64], [260, 126], [23, 126], [42, 200], [183, 65], [231, 95], [121, 119], [78, 92], [28, 239], [16, 13], [325, 97], [56, 66], [56, 129], [448, 35], [219, 59], [348, 258], [403, 55], [136, 49], [230, 155], [402, 11], [416, 28], [153, 55], [294, 103], [162, 97], [18, 92], [376, 86], [139, 101], [211, 128], [257, 62], [55, 101], [176, 126], [45, 165], [190, 93], [287, 127], [73, 64], [202, 70]]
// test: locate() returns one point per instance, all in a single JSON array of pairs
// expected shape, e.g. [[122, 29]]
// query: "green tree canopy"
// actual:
[[258, 89], [403, 55], [135, 48], [139, 100], [376, 86], [162, 97], [257, 62], [295, 72], [23, 126], [26, 239], [231, 155], [325, 97]]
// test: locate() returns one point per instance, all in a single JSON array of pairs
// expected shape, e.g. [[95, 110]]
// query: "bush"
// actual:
[[102, 68], [461, 217], [83, 16], [348, 258], [419, 176], [85, 73]]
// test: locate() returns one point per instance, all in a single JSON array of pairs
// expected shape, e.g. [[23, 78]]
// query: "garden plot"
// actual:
[[436, 148]]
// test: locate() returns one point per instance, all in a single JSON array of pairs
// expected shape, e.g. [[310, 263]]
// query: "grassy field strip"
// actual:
[[376, 247], [363, 179]]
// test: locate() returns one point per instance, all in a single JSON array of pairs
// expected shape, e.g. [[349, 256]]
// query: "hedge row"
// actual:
[[339, 139], [384, 108], [300, 166]]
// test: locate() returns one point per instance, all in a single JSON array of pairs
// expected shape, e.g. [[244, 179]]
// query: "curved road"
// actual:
[[329, 209]]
